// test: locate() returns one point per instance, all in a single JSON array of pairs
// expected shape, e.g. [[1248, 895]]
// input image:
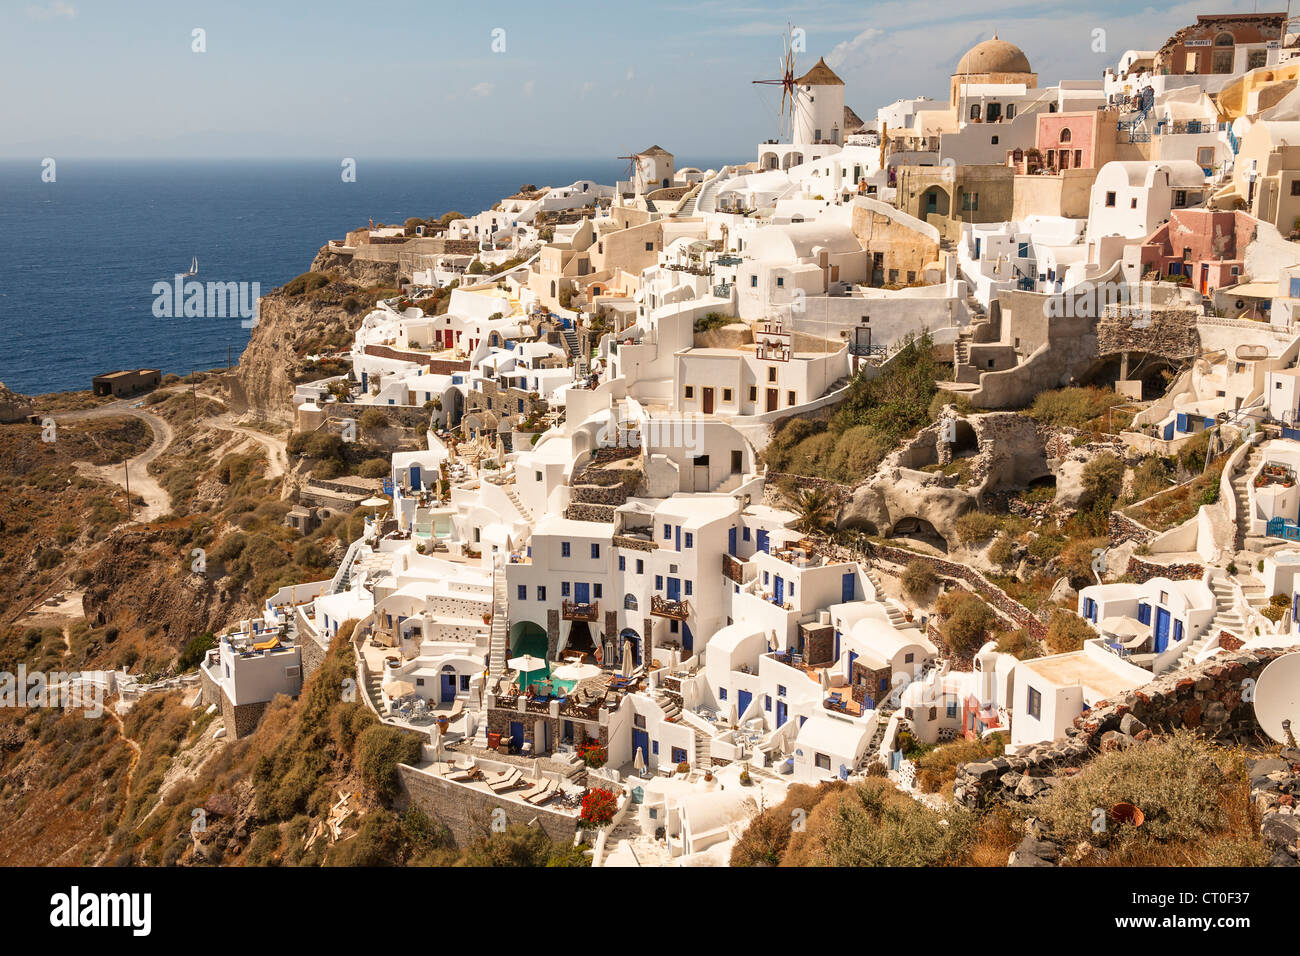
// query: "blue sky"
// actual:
[[413, 78]]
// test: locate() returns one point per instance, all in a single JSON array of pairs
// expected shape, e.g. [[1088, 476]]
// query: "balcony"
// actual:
[[733, 569], [675, 610], [572, 611]]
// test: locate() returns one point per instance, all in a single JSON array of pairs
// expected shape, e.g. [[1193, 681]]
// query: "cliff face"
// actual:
[[292, 325]]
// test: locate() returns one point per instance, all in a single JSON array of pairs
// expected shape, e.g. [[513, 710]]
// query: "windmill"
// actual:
[[632, 165], [789, 90]]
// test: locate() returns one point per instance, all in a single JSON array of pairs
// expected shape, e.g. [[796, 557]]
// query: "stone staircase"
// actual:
[[1241, 489], [882, 724], [669, 703], [374, 686], [961, 350], [515, 500], [703, 750]]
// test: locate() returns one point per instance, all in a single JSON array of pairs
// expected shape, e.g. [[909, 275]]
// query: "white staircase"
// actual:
[[703, 750], [500, 624], [1226, 618], [515, 500], [1241, 489]]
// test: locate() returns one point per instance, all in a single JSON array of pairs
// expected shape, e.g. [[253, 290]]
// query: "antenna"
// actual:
[[1277, 699]]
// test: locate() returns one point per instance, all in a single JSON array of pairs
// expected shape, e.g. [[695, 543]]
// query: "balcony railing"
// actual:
[[677, 610], [733, 568], [572, 611]]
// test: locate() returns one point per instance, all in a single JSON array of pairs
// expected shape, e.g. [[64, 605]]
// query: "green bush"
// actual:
[[919, 579], [1073, 407], [379, 750], [373, 468], [976, 526], [1102, 478], [967, 621], [1066, 632]]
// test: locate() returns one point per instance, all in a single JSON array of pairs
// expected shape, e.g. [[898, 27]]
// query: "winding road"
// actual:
[[157, 502]]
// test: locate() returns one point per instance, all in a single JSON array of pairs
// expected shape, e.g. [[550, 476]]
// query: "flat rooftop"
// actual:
[[1083, 669]]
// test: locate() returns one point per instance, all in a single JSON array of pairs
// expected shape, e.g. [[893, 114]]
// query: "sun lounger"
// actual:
[[506, 781], [538, 788], [548, 790]]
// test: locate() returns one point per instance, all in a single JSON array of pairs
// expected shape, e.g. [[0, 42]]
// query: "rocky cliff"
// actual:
[[295, 322]]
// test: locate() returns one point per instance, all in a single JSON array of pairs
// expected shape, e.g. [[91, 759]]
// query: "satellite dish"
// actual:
[[1277, 698]]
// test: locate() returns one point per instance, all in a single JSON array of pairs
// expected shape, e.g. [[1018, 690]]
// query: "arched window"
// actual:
[[975, 111], [629, 602], [1065, 135], [1224, 39]]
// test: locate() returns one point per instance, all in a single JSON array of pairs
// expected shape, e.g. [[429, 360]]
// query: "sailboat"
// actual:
[[194, 268]]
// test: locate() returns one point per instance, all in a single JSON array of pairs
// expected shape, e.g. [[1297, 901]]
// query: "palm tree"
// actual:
[[816, 510]]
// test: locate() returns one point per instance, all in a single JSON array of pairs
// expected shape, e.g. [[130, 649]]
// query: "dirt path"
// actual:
[[157, 502]]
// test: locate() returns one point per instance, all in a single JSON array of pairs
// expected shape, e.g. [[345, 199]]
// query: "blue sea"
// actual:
[[79, 256]]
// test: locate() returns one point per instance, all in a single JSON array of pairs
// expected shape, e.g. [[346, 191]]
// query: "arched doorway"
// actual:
[[935, 201], [630, 635]]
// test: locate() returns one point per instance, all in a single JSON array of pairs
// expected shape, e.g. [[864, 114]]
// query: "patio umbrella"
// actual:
[[374, 501], [399, 688], [1122, 626], [638, 762], [526, 665], [826, 678], [627, 658], [575, 671], [731, 714]]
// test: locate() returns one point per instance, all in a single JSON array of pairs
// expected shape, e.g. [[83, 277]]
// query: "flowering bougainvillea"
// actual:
[[598, 806], [593, 754]]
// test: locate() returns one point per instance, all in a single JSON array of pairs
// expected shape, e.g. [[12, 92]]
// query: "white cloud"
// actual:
[[57, 10], [481, 89]]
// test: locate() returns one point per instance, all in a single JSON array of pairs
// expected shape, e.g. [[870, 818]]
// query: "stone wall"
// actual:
[[874, 554], [1142, 571], [1207, 698], [467, 812], [313, 655], [1274, 783], [435, 366], [1123, 528], [1168, 333]]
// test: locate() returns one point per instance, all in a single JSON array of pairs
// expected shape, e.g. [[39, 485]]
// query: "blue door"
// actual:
[[1144, 613], [448, 687], [1162, 629], [674, 589], [415, 478], [581, 593], [731, 542], [679, 538], [641, 742], [762, 541], [848, 587], [688, 639], [743, 697], [517, 733], [780, 713], [778, 591]]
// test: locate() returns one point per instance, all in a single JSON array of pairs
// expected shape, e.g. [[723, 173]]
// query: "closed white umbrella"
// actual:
[[639, 760], [627, 658], [826, 678]]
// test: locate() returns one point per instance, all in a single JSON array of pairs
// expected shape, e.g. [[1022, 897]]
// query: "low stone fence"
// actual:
[[1002, 602], [1207, 698], [1142, 571], [1274, 783], [467, 812], [1123, 528]]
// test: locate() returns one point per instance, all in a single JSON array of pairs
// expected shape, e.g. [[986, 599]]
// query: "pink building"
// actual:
[[1205, 247]]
